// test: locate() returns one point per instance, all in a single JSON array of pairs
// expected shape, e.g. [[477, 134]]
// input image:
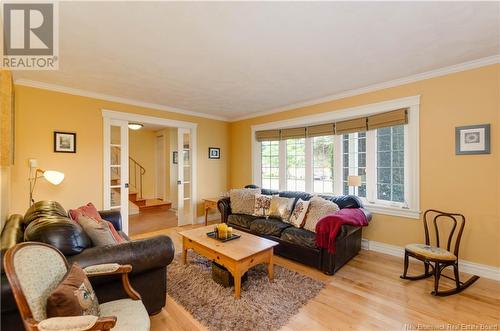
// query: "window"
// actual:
[[323, 164], [384, 152], [270, 164], [354, 162], [390, 163], [296, 164]]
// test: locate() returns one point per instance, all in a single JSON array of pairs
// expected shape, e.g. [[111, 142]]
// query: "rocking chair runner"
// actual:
[[442, 258]]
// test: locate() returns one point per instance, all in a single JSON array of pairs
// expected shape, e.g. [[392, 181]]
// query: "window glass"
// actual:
[[270, 159], [390, 163], [296, 164], [323, 164], [354, 162]]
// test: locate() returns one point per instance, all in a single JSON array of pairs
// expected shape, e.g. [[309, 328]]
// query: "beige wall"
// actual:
[[6, 143], [142, 148], [40, 112], [464, 184]]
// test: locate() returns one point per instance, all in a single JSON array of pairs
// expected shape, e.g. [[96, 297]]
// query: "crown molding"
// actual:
[[111, 98], [380, 86], [371, 88]]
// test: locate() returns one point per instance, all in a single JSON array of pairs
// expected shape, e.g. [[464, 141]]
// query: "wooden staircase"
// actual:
[[149, 204]]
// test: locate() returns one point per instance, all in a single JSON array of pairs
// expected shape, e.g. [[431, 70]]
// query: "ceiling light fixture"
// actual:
[[135, 126]]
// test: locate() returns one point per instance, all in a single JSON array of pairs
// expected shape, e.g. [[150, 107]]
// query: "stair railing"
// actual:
[[134, 169]]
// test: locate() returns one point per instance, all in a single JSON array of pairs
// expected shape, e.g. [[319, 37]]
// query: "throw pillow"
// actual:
[[98, 231], [74, 296], [243, 200], [318, 207], [299, 213], [262, 204], [281, 208], [91, 211]]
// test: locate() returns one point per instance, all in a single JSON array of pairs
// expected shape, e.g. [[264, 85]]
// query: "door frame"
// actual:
[[108, 115]]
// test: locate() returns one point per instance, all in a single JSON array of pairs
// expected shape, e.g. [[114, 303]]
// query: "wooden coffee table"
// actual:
[[237, 255]]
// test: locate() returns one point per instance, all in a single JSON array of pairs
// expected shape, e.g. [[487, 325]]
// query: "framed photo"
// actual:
[[175, 156], [472, 139], [213, 153], [64, 142]]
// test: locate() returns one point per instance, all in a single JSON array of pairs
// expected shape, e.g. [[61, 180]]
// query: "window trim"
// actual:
[[412, 157]]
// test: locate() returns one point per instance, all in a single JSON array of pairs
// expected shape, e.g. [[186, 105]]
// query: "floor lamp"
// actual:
[[52, 176]]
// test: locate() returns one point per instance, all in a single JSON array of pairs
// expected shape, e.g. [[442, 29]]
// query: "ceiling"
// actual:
[[234, 59]]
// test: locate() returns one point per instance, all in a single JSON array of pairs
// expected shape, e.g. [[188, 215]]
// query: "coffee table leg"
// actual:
[[237, 285], [270, 266]]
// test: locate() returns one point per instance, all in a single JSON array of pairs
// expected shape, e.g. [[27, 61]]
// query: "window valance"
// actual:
[[382, 120]]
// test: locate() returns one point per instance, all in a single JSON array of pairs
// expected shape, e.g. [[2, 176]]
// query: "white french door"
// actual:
[[185, 204], [116, 167]]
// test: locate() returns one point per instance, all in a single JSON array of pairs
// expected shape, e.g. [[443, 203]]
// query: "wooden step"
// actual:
[[132, 197], [151, 204]]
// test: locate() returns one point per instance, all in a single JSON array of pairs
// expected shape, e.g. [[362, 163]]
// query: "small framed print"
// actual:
[[64, 142], [472, 139], [175, 156], [213, 153]]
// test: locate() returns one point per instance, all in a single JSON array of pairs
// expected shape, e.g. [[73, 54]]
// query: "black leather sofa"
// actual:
[[148, 257], [300, 244]]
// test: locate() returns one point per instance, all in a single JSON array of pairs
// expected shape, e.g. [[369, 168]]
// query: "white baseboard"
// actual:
[[211, 217], [472, 268]]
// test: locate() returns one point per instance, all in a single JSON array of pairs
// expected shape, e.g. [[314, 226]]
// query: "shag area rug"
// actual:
[[264, 305]]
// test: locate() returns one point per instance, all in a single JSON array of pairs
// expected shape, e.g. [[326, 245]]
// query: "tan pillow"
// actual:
[[243, 200], [318, 208], [299, 213], [74, 296], [262, 204], [98, 231], [281, 207]]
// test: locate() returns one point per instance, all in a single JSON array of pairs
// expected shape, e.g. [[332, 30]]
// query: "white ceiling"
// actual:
[[233, 59]]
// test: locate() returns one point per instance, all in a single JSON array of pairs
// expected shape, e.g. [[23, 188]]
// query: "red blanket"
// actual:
[[329, 226]]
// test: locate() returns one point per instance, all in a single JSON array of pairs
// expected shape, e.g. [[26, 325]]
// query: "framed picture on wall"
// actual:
[[213, 153], [64, 142], [175, 156], [472, 139]]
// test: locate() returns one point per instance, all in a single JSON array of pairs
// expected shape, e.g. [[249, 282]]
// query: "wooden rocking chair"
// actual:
[[442, 258]]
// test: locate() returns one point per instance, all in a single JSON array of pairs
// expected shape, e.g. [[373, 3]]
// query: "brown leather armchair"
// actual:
[[148, 257]]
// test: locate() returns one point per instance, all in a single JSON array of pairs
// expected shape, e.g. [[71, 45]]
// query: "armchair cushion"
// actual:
[[74, 296], [130, 314], [70, 323]]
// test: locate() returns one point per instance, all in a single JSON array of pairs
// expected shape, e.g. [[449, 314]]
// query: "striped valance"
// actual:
[[360, 124]]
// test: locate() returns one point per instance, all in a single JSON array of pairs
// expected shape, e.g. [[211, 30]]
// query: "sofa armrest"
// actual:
[[112, 216], [142, 255], [12, 232], [224, 206], [75, 323], [367, 213]]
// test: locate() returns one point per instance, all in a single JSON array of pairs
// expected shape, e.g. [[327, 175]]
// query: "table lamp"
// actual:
[[354, 181], [52, 176]]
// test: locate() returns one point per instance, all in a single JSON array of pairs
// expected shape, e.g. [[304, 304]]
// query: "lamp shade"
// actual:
[[354, 181], [53, 177]]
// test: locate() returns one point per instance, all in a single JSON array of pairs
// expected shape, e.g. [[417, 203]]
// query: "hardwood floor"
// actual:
[[151, 220], [367, 294]]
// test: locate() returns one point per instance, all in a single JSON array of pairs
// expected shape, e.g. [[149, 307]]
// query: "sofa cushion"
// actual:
[[243, 200], [268, 227], [241, 220], [299, 237]]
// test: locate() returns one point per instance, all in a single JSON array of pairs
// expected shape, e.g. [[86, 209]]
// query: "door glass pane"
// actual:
[[115, 155], [115, 197], [115, 135]]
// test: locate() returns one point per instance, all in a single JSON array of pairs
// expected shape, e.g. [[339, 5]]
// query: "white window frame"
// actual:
[[409, 209]]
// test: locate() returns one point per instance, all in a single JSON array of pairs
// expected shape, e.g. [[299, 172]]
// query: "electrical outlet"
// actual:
[[33, 163]]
